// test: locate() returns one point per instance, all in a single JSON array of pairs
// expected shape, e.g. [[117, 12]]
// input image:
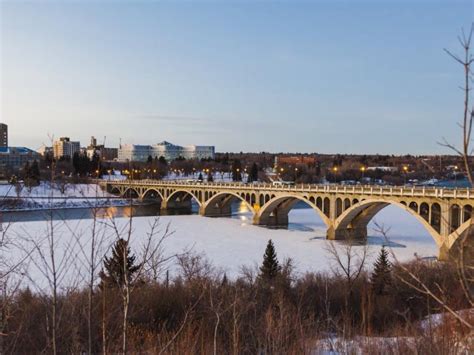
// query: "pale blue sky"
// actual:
[[314, 76]]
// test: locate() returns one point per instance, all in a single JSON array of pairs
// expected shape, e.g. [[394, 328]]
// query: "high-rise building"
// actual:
[[3, 135], [104, 153], [64, 147]]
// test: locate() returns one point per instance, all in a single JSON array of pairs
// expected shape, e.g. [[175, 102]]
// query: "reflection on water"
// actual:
[[82, 213], [239, 210]]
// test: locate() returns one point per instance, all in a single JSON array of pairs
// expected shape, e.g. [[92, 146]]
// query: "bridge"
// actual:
[[345, 210]]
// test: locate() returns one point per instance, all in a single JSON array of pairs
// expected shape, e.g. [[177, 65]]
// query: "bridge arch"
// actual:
[[275, 211], [354, 221], [220, 204], [114, 190], [153, 194], [130, 192], [181, 199]]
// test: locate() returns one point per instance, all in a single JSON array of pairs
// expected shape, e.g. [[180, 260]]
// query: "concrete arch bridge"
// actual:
[[346, 210]]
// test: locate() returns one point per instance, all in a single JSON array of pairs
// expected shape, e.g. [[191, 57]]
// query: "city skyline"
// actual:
[[306, 77]]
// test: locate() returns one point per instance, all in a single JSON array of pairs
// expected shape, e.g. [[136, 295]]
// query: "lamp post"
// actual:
[[335, 169], [455, 176], [362, 170], [405, 170]]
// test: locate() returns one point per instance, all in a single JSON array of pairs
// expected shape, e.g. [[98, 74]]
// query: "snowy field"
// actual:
[[61, 195], [228, 243], [59, 190]]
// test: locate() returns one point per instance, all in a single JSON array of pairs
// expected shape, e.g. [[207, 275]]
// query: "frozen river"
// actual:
[[228, 243]]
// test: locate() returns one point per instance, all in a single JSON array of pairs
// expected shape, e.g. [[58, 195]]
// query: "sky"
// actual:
[[281, 76]]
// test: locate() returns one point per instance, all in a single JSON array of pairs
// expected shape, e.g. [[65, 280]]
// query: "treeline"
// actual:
[[270, 310]]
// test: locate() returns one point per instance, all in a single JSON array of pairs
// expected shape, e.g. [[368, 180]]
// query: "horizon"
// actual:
[[250, 77]]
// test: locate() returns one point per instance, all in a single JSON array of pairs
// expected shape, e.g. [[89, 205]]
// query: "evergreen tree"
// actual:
[[200, 178], [115, 270], [210, 177], [270, 268], [253, 175], [94, 163], [149, 160], [382, 275], [162, 161], [35, 172]]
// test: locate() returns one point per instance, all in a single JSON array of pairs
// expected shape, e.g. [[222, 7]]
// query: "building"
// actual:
[[295, 160], [104, 153], [132, 152], [388, 169], [16, 157], [64, 147], [3, 135], [44, 150]]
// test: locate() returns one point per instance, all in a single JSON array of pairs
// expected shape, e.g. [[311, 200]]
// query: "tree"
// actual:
[[209, 177], [382, 275], [162, 161], [236, 170], [270, 268], [200, 178], [120, 267], [253, 175]]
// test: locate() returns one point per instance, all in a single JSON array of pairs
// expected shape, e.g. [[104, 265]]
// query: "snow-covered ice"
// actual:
[[229, 243]]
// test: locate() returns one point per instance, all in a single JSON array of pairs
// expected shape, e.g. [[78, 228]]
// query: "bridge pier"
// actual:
[[173, 206], [275, 219], [218, 210], [354, 233]]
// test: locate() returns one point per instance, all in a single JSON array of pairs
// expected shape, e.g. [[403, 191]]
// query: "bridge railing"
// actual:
[[462, 193]]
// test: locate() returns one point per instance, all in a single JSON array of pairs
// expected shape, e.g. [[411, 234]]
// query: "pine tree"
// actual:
[[35, 172], [115, 271], [209, 177], [382, 275], [253, 175], [200, 178], [270, 268]]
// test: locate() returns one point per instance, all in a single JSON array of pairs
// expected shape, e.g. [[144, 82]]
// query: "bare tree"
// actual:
[[414, 281], [349, 265], [465, 60], [150, 248]]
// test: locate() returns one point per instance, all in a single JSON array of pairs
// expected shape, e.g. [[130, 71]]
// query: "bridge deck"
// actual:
[[458, 193]]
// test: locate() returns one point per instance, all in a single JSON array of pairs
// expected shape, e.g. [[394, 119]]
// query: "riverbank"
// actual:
[[46, 196]]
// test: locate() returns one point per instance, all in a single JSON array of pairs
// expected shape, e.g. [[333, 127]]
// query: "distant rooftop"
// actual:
[[21, 150]]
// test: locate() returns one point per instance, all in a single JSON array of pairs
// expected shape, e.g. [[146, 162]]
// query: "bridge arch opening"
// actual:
[[354, 222], [467, 213], [455, 217], [221, 204], [182, 201], [278, 211], [153, 195], [327, 207], [347, 203], [338, 207], [131, 193], [114, 190]]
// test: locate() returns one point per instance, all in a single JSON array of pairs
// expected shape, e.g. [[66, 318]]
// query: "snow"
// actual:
[[228, 243], [59, 190], [58, 196]]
